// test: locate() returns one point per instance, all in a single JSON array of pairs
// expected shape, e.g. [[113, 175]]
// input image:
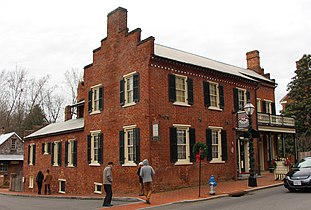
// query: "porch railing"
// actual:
[[275, 120]]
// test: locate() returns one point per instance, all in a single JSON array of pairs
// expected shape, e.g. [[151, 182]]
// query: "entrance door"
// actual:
[[243, 156]]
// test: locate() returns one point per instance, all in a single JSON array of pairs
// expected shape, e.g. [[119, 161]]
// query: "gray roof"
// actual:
[[6, 136], [11, 157], [59, 127], [197, 60]]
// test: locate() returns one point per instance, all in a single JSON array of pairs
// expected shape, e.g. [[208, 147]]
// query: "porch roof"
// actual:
[[11, 157]]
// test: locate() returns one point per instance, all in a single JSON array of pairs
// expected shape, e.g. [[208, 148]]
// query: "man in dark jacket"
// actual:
[[39, 180]]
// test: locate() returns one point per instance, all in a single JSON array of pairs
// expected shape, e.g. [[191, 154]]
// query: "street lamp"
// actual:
[[249, 109]]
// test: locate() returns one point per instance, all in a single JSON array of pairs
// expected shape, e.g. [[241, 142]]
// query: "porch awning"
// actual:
[[276, 129], [12, 157]]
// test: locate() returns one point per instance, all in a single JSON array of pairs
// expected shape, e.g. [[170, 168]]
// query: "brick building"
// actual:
[[144, 100], [11, 156]]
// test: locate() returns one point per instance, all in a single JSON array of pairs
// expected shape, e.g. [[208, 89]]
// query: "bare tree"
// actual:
[[72, 79], [52, 105]]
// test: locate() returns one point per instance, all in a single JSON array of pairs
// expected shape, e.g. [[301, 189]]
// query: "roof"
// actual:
[[6, 136], [11, 157], [197, 60], [58, 128]]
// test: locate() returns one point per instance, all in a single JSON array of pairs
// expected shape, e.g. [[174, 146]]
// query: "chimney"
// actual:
[[2, 131], [253, 61], [117, 21], [68, 114]]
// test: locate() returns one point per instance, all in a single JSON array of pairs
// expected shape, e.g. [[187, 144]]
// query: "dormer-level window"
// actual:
[[213, 95], [241, 96], [129, 89]]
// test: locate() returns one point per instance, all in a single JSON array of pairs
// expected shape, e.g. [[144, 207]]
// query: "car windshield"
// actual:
[[304, 163]]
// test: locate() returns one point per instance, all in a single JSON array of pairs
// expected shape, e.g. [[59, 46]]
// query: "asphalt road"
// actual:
[[9, 202], [277, 198]]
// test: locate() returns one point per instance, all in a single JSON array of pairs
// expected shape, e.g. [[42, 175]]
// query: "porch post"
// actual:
[[283, 144], [270, 147]]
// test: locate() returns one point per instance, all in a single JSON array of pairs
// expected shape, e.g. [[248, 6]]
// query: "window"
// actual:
[[98, 188], [95, 99], [30, 184], [129, 89], [71, 153], [62, 186], [13, 144], [46, 148], [182, 140], [31, 154], [180, 90], [56, 157], [216, 141], [4, 166], [95, 148], [130, 146], [258, 101], [213, 95], [241, 96]]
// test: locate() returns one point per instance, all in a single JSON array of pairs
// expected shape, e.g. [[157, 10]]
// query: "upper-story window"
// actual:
[[182, 140], [13, 144], [71, 153], [216, 141], [31, 154], [241, 96], [180, 90], [258, 102], [95, 99], [213, 95], [129, 89], [268, 107], [130, 145], [46, 148], [95, 148], [56, 156]]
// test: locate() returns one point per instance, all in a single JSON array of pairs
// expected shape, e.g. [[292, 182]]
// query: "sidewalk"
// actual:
[[190, 194]]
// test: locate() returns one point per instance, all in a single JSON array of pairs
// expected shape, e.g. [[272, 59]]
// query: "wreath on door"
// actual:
[[200, 148]]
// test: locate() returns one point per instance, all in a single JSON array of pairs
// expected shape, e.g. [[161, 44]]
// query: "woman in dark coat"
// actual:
[[39, 180]]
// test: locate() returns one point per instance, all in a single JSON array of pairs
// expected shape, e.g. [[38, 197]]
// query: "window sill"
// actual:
[[95, 112], [214, 108], [55, 165], [70, 166], [94, 164], [179, 163], [181, 104], [129, 164], [62, 192], [129, 104], [217, 161], [98, 192]]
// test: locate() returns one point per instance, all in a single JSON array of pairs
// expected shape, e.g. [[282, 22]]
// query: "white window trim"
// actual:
[[55, 155], [245, 101], [31, 181], [219, 159], [95, 187], [45, 148], [182, 103], [69, 152], [269, 103], [93, 101], [187, 160], [126, 162], [126, 104], [93, 133], [32, 145], [59, 185], [217, 96], [258, 101]]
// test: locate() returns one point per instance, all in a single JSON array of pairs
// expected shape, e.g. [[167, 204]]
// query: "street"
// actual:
[[277, 198], [8, 202]]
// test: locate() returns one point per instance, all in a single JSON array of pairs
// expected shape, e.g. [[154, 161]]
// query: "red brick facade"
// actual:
[[121, 53]]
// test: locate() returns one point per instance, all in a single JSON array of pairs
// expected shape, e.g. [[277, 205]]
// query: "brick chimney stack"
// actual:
[[68, 113], [2, 131], [253, 61], [117, 21]]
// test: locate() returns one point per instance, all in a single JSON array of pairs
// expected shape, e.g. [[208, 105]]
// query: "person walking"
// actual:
[[39, 180], [140, 180], [107, 176], [47, 182], [147, 173]]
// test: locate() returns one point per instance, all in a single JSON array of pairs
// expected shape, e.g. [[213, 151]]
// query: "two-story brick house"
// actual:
[[11, 156], [144, 100]]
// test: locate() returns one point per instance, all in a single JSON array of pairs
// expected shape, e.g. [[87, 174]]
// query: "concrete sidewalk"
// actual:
[[190, 194]]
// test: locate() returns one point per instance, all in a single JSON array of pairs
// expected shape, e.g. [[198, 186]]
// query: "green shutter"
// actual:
[[122, 94], [101, 148], [59, 158], [273, 108], [89, 148], [90, 101], [66, 153], [206, 92], [264, 110], [49, 147], [192, 143], [75, 153], [101, 98], [52, 154], [171, 88], [28, 154], [34, 155], [248, 96], [209, 144], [173, 144], [137, 145], [43, 144], [224, 147], [121, 146], [236, 99], [190, 91], [221, 96], [136, 87]]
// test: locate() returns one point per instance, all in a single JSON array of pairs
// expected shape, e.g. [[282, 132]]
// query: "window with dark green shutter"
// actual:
[[273, 108], [89, 148], [100, 148], [209, 144], [192, 143], [59, 154], [171, 88], [190, 91], [224, 148], [221, 97], [122, 97], [90, 101], [173, 144], [52, 154], [75, 153], [101, 98], [136, 87], [121, 147], [136, 145], [34, 154], [207, 102], [66, 153], [130, 89], [236, 99], [29, 147]]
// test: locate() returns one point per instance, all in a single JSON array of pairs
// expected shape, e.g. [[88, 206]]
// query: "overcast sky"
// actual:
[[52, 36]]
